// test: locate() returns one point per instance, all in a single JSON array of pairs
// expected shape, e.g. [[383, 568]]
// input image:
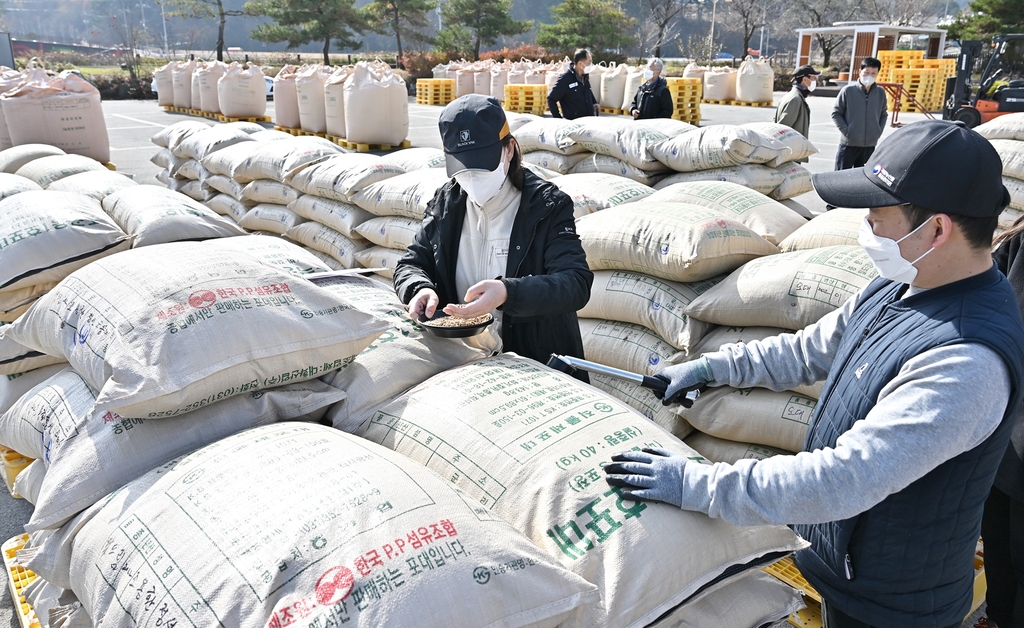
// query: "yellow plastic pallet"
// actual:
[[13, 463], [287, 130], [223, 118], [536, 110], [365, 148], [17, 579], [738, 103]]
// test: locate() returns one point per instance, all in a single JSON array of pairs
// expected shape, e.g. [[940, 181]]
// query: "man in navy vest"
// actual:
[[922, 370]]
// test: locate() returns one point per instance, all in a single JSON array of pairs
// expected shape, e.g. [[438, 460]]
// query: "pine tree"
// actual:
[[300, 22], [486, 19], [598, 25], [401, 18]]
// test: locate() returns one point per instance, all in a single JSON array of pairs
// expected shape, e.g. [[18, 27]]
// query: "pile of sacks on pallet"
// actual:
[[235, 90], [762, 156], [752, 82], [365, 103], [61, 110], [221, 438], [1007, 136]]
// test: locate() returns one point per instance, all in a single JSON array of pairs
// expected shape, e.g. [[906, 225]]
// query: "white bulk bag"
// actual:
[[286, 99], [634, 79], [754, 81], [720, 84], [465, 82], [376, 105], [9, 79], [181, 74], [334, 101], [613, 86], [37, 111], [309, 88], [209, 76], [499, 79], [242, 92], [163, 81], [197, 101]]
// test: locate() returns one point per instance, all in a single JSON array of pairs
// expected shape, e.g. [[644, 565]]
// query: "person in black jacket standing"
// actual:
[[497, 239], [572, 90], [1002, 526], [652, 100]]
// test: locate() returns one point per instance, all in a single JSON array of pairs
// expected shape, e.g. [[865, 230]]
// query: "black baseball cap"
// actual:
[[472, 128], [938, 165], [805, 70]]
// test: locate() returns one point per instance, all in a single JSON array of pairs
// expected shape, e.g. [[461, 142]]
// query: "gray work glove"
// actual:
[[651, 474], [683, 378]]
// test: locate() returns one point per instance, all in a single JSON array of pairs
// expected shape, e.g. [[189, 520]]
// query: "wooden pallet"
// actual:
[[366, 148], [613, 111], [110, 166], [223, 118], [738, 103], [535, 110], [304, 133], [294, 132], [17, 579]]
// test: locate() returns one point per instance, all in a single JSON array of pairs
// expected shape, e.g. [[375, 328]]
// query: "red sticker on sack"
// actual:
[[201, 299], [334, 586]]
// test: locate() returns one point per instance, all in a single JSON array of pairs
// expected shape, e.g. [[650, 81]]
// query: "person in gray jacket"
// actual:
[[924, 374], [860, 113], [793, 110]]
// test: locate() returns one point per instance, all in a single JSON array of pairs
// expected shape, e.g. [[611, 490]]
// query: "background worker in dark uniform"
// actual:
[[571, 96]]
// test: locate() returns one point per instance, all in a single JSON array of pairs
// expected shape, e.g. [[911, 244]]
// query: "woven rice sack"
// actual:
[[391, 232], [627, 346], [55, 422], [769, 219], [1012, 154], [407, 542], [562, 164], [535, 460], [632, 141], [187, 316], [14, 303], [340, 177], [754, 176], [752, 415], [673, 241], [791, 290], [12, 159], [11, 184], [98, 185], [286, 99], [16, 358], [380, 257], [517, 121], [267, 191], [1016, 189], [592, 192], [202, 143], [410, 159], [610, 165], [171, 135], [228, 186], [242, 91], [14, 386], [282, 160], [797, 181], [727, 451], [548, 134], [270, 218], [371, 380], [341, 217], [154, 215], [718, 146], [755, 599], [800, 147], [406, 195], [643, 401], [46, 170], [1008, 127], [326, 240], [838, 227], [223, 162], [68, 232], [656, 304]]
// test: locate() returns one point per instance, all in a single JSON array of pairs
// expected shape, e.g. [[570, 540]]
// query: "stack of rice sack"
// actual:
[[819, 267], [365, 104], [1007, 135]]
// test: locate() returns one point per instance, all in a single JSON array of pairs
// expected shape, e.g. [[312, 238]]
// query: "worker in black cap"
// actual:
[[498, 240], [793, 110], [924, 374]]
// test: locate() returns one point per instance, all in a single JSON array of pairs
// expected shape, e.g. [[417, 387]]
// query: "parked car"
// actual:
[[270, 86]]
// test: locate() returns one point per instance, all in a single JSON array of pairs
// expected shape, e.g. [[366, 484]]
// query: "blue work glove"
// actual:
[[651, 474], [683, 378]]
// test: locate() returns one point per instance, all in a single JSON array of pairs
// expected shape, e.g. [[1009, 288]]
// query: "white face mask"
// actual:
[[648, 74], [867, 81], [588, 69], [812, 86], [481, 185], [885, 254]]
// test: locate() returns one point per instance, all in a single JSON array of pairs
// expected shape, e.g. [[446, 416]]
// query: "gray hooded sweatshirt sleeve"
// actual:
[[942, 403]]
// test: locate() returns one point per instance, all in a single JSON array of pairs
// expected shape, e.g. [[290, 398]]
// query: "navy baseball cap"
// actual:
[[941, 166], [472, 128]]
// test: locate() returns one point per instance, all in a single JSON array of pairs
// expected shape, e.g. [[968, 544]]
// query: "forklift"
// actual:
[[1001, 88]]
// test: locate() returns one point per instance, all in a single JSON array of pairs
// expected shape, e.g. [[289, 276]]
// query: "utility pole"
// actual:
[[711, 38], [163, 18]]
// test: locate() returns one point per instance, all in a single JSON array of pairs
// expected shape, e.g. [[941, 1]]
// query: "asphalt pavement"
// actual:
[[130, 124]]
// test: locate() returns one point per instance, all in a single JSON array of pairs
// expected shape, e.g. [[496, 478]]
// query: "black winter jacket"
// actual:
[[573, 95], [1010, 479], [653, 100], [547, 276]]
